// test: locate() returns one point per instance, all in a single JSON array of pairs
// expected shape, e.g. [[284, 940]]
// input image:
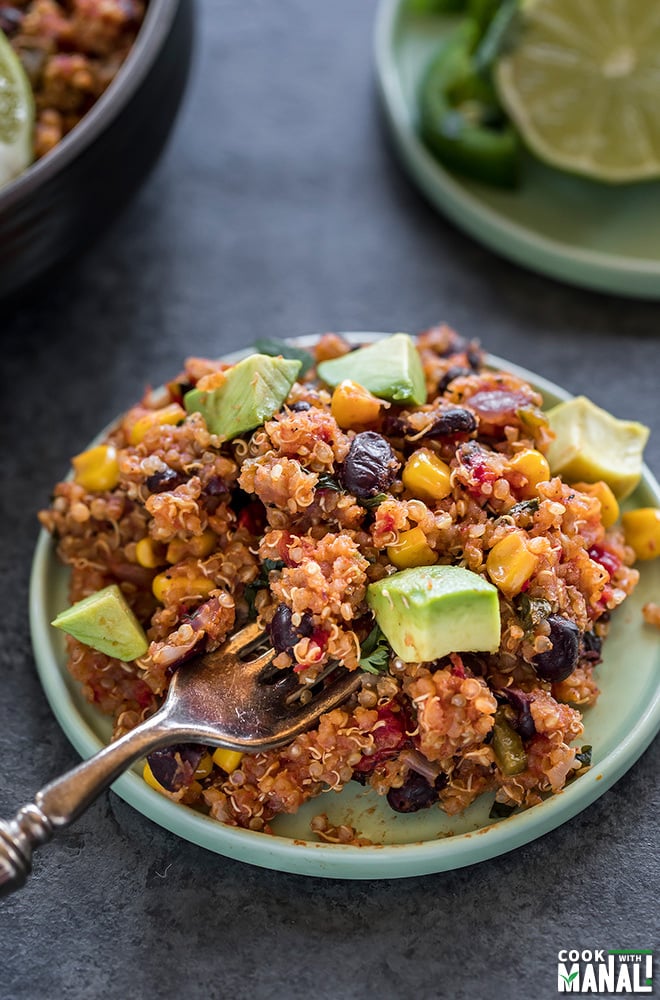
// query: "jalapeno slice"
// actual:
[[461, 121]]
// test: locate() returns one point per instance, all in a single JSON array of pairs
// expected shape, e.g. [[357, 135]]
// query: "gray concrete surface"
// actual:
[[278, 209]]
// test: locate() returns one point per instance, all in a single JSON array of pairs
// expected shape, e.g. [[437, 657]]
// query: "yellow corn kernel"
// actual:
[[97, 469], [353, 404], [191, 793], [609, 507], [228, 760], [642, 530], [510, 564], [173, 589], [412, 549], [148, 554], [533, 466], [148, 776], [198, 546], [204, 767], [426, 476], [172, 414]]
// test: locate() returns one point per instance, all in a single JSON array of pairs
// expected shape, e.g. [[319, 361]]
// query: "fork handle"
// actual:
[[62, 801]]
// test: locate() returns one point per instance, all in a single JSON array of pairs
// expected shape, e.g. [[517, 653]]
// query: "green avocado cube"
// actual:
[[427, 612], [253, 390], [390, 369], [105, 622], [592, 445]]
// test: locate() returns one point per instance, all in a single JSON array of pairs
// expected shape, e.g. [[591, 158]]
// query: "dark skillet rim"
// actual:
[[148, 43]]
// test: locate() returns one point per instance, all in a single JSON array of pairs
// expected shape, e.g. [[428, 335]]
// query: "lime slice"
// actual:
[[581, 83], [16, 114], [591, 445]]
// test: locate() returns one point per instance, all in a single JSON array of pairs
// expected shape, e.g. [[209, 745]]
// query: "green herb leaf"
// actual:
[[375, 650], [270, 564], [525, 507], [328, 482], [275, 347], [584, 756], [371, 502], [532, 611]]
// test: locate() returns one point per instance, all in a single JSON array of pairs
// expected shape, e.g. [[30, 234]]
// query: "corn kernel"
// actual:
[[642, 530], [609, 507], [510, 564], [353, 404], [412, 549], [148, 554], [148, 776], [97, 469], [173, 589], [426, 476], [228, 760], [204, 767], [172, 414], [533, 466], [198, 546]]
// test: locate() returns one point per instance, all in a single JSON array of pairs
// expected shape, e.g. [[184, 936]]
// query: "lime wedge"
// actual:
[[581, 82], [16, 114], [591, 445]]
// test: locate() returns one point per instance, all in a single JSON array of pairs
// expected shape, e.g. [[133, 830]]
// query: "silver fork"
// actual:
[[230, 698]]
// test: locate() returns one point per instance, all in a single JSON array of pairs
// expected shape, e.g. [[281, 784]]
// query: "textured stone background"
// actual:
[[278, 209]]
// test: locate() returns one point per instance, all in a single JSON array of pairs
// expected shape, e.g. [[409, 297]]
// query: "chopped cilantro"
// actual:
[[583, 757], [328, 482], [532, 611], [371, 502], [375, 652], [525, 507]]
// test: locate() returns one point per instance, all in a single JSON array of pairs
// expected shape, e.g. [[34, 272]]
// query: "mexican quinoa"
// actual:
[[71, 51], [291, 521]]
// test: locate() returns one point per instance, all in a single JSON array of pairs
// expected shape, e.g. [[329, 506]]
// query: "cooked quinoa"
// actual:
[[71, 51], [203, 535]]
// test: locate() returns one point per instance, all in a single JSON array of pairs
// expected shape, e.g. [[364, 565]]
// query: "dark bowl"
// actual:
[[62, 202]]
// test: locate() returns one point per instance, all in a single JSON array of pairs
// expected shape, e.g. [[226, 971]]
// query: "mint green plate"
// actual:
[[619, 727], [589, 234]]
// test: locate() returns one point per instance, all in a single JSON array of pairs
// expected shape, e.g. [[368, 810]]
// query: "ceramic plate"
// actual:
[[595, 235], [619, 727]]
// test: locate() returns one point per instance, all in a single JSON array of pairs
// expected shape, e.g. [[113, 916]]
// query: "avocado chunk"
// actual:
[[591, 445], [253, 390], [429, 611], [390, 369], [105, 622]]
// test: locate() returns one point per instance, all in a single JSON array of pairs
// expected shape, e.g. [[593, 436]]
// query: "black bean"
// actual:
[[216, 487], [456, 371], [560, 661], [450, 421], [300, 406], [166, 479], [592, 643], [523, 723], [10, 20], [174, 767], [283, 634], [416, 793], [474, 356], [370, 466]]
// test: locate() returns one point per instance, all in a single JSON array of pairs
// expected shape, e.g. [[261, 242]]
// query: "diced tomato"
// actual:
[[389, 738]]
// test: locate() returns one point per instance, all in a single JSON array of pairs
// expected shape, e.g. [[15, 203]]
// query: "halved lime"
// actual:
[[16, 114], [581, 82]]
